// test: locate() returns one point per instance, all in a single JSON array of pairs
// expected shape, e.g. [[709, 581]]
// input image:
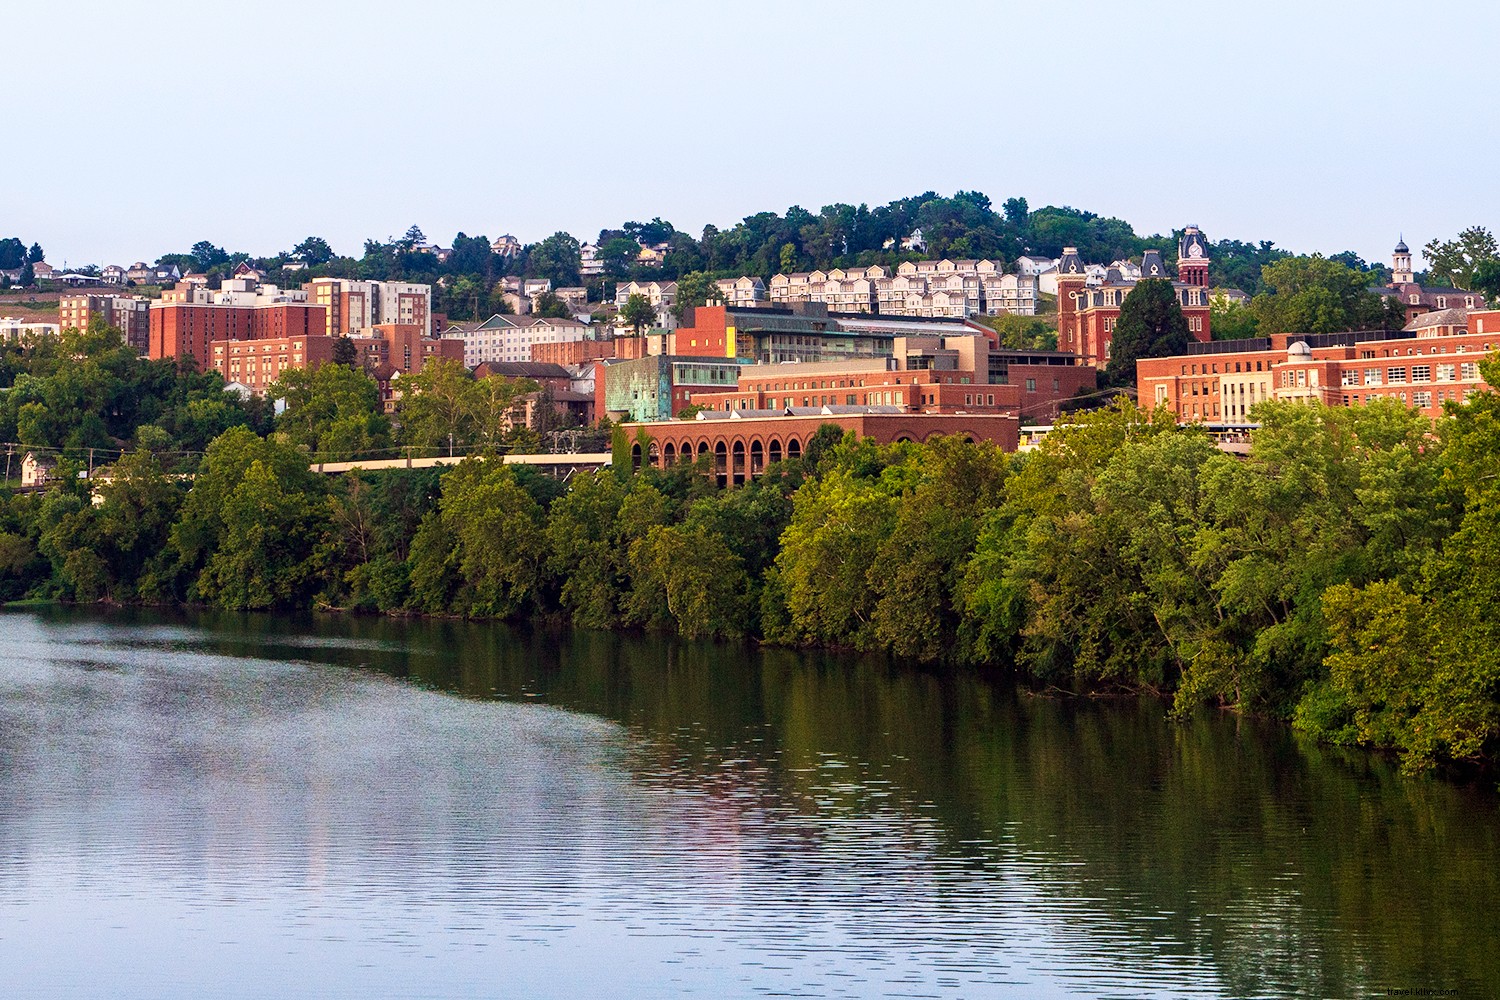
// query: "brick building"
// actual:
[[740, 444], [925, 374], [130, 314], [257, 363], [354, 306], [1087, 313], [1418, 298], [1433, 361], [179, 329], [578, 352]]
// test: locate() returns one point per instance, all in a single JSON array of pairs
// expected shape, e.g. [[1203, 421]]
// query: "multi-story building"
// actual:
[[186, 321], [924, 374], [1435, 360], [255, 364], [658, 387], [130, 314], [742, 292], [402, 346], [943, 288], [580, 352], [23, 328], [1086, 314], [512, 338], [353, 306], [506, 246]]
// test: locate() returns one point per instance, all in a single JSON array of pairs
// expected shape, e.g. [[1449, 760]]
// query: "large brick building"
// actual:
[[1417, 298], [924, 374], [740, 444], [1435, 360], [1086, 314], [353, 306], [257, 363]]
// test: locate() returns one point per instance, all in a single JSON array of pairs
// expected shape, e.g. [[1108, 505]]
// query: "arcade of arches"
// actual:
[[742, 448]]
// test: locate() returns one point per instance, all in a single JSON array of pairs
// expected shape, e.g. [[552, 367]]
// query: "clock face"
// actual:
[[1195, 250]]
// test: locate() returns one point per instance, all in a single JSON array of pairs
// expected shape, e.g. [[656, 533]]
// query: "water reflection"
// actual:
[[251, 806]]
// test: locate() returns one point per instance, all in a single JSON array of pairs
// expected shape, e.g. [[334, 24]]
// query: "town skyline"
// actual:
[[262, 135]]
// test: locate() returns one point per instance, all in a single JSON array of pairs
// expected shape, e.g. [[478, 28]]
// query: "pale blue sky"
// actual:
[[1322, 126]]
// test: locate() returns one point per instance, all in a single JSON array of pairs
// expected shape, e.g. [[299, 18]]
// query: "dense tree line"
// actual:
[[1340, 576]]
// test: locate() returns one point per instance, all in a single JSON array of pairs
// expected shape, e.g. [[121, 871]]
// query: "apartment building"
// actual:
[[512, 338], [942, 288], [352, 306], [130, 314]]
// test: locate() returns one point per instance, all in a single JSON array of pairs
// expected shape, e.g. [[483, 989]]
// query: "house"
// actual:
[[43, 271], [37, 469], [245, 270], [506, 246], [114, 274], [915, 242]]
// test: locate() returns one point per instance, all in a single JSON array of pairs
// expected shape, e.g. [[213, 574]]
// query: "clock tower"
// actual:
[[1192, 258], [1401, 273]]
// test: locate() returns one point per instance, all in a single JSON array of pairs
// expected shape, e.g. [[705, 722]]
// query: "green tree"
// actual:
[[1455, 261], [332, 410], [265, 558], [438, 408], [313, 251], [1151, 325], [1316, 295], [548, 305], [1231, 320], [556, 257], [638, 314], [27, 277]]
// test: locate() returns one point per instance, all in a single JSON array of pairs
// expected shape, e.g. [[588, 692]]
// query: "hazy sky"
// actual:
[[1322, 126]]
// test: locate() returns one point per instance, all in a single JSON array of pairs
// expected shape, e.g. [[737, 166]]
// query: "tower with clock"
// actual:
[[1192, 258]]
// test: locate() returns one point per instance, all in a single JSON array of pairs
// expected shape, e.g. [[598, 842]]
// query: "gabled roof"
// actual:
[[496, 322]]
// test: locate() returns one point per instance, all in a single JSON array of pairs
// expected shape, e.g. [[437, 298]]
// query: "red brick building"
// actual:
[[742, 444], [257, 363], [1086, 314], [1432, 362], [577, 352], [937, 375], [179, 329]]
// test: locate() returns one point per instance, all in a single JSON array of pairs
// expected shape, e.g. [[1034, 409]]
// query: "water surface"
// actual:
[[248, 807]]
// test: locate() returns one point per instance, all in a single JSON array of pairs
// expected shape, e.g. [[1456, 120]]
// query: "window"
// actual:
[[1394, 375], [1445, 373], [1372, 376], [1030, 387], [1350, 378], [1421, 399], [1469, 371], [1421, 373]]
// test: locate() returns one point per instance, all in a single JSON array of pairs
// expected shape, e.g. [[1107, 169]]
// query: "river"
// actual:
[[249, 806]]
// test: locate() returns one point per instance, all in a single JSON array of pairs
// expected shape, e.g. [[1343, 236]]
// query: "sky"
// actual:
[[1321, 126]]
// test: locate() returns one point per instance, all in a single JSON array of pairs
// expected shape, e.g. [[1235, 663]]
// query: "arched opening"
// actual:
[[794, 448], [635, 457], [655, 454], [775, 450], [721, 463], [702, 448], [757, 458], [669, 454], [738, 468]]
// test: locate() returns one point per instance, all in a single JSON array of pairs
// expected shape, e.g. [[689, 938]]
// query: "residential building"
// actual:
[[257, 363], [589, 264], [1086, 314], [662, 295], [404, 347], [141, 273], [188, 322], [24, 328], [130, 314], [37, 468], [1435, 360], [942, 288], [113, 274], [506, 246], [742, 292], [352, 306], [576, 352], [512, 338]]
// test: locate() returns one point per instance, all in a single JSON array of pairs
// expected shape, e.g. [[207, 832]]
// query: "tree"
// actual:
[[333, 411], [35, 255], [414, 238], [1317, 295], [1486, 280], [345, 353], [438, 407], [638, 313], [695, 288], [557, 257], [205, 255], [1455, 261], [1231, 320], [12, 253], [313, 251], [549, 306], [27, 277], [1151, 325]]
